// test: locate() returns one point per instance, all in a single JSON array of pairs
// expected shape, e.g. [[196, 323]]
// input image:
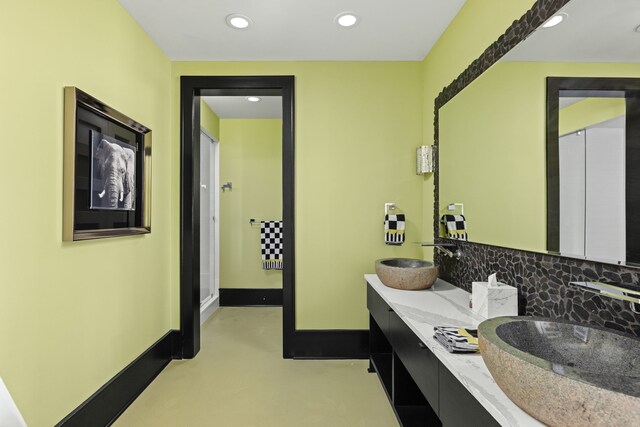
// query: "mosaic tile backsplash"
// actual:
[[543, 284]]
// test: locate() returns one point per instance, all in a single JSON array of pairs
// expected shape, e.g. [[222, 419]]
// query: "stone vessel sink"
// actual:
[[405, 273], [563, 373]]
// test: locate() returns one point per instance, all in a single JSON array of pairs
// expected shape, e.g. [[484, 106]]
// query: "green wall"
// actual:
[[493, 149], [209, 120], [251, 158], [478, 24], [589, 112], [357, 126], [73, 314]]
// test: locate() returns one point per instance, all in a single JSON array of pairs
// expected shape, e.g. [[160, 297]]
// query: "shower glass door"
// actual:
[[207, 226]]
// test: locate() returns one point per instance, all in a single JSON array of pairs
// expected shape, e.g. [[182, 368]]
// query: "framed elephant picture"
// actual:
[[113, 173], [107, 171]]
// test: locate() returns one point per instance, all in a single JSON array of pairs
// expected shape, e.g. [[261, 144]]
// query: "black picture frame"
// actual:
[[88, 122]]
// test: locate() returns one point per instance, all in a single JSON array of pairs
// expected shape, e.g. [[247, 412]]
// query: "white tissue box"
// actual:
[[493, 301]]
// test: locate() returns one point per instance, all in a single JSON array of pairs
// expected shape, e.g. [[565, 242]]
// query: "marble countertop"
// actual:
[[446, 305]]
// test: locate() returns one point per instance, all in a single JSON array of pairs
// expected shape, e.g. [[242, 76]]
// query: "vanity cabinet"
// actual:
[[408, 402], [380, 357], [416, 357], [457, 406], [420, 389], [378, 309]]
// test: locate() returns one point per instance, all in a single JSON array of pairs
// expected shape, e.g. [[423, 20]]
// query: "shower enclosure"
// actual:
[[209, 232]]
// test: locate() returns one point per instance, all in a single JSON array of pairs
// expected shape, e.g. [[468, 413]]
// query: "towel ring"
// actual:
[[389, 207], [452, 207]]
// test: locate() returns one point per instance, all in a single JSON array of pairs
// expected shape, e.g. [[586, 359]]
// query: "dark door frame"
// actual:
[[593, 87], [191, 89]]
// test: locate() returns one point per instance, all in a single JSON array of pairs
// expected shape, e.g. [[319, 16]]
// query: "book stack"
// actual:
[[457, 340]]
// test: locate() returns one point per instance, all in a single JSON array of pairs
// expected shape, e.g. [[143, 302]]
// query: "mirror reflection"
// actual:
[[593, 130], [493, 155], [591, 164]]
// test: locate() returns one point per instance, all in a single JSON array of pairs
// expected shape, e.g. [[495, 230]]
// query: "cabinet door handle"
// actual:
[[389, 309], [422, 345]]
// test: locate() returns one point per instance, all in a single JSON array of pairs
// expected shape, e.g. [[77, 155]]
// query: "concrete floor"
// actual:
[[239, 379]]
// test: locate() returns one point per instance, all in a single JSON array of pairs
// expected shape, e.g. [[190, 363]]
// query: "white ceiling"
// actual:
[[237, 107], [566, 101], [595, 31], [388, 30], [615, 123]]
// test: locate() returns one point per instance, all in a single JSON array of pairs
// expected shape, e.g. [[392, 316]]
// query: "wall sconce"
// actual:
[[424, 159]]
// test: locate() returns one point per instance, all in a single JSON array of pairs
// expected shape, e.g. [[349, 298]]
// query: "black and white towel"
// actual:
[[394, 229], [455, 226], [271, 244], [457, 340]]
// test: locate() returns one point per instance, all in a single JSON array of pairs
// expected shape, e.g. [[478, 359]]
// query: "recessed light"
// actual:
[[253, 98], [346, 19], [555, 20], [238, 21]]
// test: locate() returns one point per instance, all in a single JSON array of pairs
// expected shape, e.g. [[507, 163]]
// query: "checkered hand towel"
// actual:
[[455, 226], [394, 229], [271, 244]]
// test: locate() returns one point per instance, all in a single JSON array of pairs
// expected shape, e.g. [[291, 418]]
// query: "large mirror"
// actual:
[[539, 150]]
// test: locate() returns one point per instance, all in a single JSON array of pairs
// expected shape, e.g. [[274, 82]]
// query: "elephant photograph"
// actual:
[[113, 173]]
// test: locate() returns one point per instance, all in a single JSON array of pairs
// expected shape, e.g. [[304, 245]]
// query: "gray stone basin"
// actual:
[[406, 273], [564, 373]]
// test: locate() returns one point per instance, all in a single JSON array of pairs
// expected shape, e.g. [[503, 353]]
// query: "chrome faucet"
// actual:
[[457, 253], [616, 291], [442, 247]]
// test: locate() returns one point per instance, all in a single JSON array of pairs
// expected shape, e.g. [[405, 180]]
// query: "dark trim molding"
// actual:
[[553, 165], [331, 344], [597, 87], [191, 89], [632, 178], [113, 398], [250, 297]]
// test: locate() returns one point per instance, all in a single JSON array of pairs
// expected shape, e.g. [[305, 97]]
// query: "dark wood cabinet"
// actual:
[[380, 356], [378, 309], [420, 362], [420, 389], [458, 407], [409, 404]]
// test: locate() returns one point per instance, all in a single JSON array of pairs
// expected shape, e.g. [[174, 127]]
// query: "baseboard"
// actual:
[[111, 400], [331, 344], [250, 297], [209, 309]]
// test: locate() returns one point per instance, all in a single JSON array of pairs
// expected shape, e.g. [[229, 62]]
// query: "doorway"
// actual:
[[192, 89]]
